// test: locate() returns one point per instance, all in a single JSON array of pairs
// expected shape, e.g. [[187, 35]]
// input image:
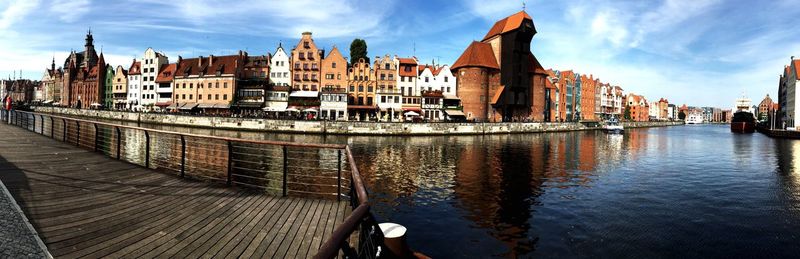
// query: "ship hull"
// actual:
[[743, 127]]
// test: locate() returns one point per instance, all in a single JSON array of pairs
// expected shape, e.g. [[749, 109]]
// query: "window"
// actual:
[[302, 56], [216, 97], [191, 85], [338, 76], [190, 97], [360, 88], [352, 88], [216, 84], [426, 79], [369, 88], [445, 79], [333, 65], [225, 85], [383, 99], [328, 76], [305, 45], [224, 97], [199, 97], [183, 96], [209, 96]]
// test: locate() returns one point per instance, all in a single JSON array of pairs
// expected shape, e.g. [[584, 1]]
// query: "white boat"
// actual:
[[613, 126], [694, 119]]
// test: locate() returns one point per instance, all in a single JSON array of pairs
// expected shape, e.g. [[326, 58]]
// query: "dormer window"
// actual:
[[305, 44]]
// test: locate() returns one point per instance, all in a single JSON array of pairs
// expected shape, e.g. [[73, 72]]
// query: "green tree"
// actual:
[[627, 112], [681, 115], [358, 50]]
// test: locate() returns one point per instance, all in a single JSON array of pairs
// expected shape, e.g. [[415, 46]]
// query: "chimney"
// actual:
[[179, 60], [210, 60], [199, 61]]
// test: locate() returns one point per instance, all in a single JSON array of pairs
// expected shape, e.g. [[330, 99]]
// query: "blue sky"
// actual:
[[699, 52]]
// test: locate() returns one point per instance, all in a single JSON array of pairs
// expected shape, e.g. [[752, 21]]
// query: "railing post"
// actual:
[[339, 176], [183, 156], [78, 133], [52, 127], [230, 162], [285, 168], [119, 140], [64, 133], [147, 149], [96, 136], [34, 124], [42, 126]]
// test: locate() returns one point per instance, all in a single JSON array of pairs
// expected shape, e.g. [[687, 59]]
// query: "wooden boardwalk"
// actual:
[[84, 204]]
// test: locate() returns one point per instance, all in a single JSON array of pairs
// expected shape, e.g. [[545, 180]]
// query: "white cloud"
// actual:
[[15, 11], [70, 10], [604, 25]]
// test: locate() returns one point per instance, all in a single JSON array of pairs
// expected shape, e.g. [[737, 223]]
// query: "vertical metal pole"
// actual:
[[183, 156], [96, 136], [64, 133], [339, 176], [119, 141], [78, 134], [42, 126], [230, 162], [52, 127], [285, 168], [147, 149], [34, 124]]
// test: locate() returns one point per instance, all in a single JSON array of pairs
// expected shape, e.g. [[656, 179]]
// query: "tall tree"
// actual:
[[627, 112], [358, 50]]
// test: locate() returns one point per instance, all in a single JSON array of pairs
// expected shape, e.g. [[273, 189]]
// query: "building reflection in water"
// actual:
[[788, 170]]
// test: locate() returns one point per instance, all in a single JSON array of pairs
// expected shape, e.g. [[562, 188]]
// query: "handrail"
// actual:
[[262, 142]]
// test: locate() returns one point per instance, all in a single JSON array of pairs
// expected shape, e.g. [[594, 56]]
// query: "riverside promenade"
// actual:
[[85, 204]]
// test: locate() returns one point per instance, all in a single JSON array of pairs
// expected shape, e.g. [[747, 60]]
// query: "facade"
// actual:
[[639, 108], [52, 83], [361, 93], [207, 83], [279, 68], [252, 85], [765, 108], [151, 95], [164, 80], [333, 103], [334, 69], [84, 77], [587, 98], [488, 73], [108, 93], [407, 74], [432, 105], [387, 95], [306, 64], [672, 112], [787, 94], [120, 90], [276, 98], [135, 85]]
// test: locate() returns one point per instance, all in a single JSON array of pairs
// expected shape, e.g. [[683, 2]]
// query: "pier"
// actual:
[[93, 189]]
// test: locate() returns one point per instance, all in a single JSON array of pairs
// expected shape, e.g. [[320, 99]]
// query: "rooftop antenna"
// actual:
[[415, 49], [523, 5]]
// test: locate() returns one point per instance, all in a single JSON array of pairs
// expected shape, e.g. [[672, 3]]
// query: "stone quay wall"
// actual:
[[336, 127]]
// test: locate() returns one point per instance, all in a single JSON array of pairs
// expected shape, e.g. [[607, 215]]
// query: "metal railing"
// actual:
[[278, 168]]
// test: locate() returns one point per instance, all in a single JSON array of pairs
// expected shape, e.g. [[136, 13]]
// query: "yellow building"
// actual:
[[207, 84], [361, 91]]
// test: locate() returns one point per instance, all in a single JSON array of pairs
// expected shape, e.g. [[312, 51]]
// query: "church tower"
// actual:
[[90, 55]]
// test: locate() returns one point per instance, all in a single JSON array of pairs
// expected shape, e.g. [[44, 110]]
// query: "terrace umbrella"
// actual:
[[412, 113], [292, 109]]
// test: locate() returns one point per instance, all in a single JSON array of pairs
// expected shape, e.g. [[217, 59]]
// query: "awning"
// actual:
[[95, 104], [205, 106], [173, 106], [292, 109], [312, 109], [411, 113], [48, 101], [276, 107], [451, 97], [249, 104], [188, 106], [361, 107], [222, 106], [162, 104], [498, 94], [416, 109], [304, 94], [455, 113]]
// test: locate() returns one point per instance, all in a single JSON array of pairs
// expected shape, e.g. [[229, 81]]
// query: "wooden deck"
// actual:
[[84, 204]]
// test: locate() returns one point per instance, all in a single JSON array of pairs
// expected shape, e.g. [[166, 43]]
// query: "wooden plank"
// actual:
[[304, 247], [250, 242], [235, 235], [258, 247], [277, 236], [304, 233]]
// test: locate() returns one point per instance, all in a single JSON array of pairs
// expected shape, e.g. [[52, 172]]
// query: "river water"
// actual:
[[681, 191]]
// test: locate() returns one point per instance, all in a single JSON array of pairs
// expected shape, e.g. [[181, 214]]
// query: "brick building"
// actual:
[[84, 77], [306, 63]]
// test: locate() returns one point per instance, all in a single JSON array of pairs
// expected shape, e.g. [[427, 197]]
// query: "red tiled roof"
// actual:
[[407, 61], [136, 68], [535, 67], [549, 84], [411, 72], [421, 68], [507, 24], [478, 54], [434, 93], [796, 68], [208, 65], [166, 73], [497, 94]]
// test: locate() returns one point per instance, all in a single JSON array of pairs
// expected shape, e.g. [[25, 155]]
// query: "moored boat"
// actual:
[[743, 122], [613, 126]]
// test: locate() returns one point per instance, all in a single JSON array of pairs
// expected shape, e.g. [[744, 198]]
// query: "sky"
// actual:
[[698, 52]]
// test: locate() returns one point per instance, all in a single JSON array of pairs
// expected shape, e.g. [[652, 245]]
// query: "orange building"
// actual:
[[588, 90], [640, 109], [207, 83], [334, 69], [361, 94], [306, 63]]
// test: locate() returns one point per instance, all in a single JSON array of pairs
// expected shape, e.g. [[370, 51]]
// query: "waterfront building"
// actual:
[[120, 90], [787, 94], [587, 98], [432, 105], [765, 108], [550, 98], [611, 105], [149, 96], [708, 114], [653, 112], [387, 94], [407, 74], [672, 112], [598, 112], [52, 83], [333, 103], [334, 68], [279, 68], [108, 92], [619, 104], [639, 108], [361, 92], [20, 90], [84, 76], [134, 85], [208, 83], [251, 84], [276, 98], [306, 62], [165, 79], [488, 73]]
